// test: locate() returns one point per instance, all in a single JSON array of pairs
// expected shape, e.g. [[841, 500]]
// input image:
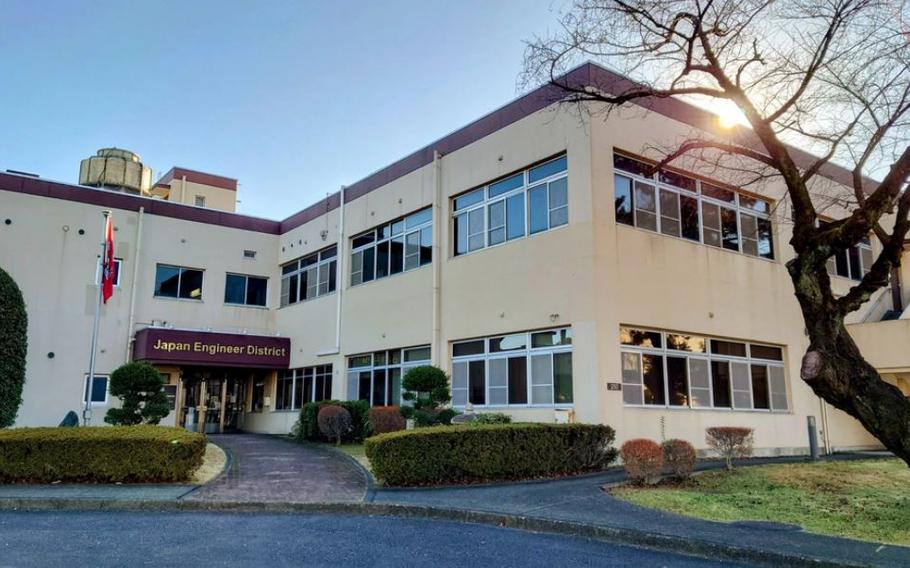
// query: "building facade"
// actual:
[[528, 254]]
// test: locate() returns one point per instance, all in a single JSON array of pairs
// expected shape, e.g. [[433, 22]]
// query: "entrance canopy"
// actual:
[[203, 348]]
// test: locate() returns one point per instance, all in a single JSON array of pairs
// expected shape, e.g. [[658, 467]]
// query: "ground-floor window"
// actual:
[[684, 370], [297, 387], [96, 389], [376, 377], [519, 369], [257, 398]]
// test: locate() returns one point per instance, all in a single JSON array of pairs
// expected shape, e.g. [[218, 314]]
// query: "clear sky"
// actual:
[[292, 98]]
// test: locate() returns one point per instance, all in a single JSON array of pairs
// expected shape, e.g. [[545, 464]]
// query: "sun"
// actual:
[[729, 115]]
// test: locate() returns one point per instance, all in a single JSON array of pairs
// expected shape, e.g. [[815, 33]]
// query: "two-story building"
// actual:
[[528, 254]]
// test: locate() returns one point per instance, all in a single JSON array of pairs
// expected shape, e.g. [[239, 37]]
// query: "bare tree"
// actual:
[[832, 76]]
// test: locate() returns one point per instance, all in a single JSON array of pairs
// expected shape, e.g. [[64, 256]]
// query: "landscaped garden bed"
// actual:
[[115, 454], [865, 499]]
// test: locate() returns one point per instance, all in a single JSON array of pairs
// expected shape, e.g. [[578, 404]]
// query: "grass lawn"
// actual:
[[868, 499]]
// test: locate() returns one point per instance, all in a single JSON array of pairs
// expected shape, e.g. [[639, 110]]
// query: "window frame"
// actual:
[[863, 245], [297, 377], [246, 285], [528, 352], [181, 270], [385, 234], [86, 392], [488, 201], [702, 199], [402, 365], [323, 264], [708, 356]]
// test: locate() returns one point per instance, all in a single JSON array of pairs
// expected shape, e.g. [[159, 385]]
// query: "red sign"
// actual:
[[183, 347]]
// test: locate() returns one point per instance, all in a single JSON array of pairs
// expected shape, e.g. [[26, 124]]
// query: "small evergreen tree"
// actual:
[[13, 346], [427, 387], [140, 387]]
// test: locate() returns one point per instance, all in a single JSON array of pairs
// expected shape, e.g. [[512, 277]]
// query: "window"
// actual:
[[96, 388], [178, 282], [200, 201], [399, 246], [521, 369], [680, 206], [118, 262], [699, 372], [853, 263], [257, 396], [376, 377], [524, 203], [245, 290], [308, 277], [297, 387]]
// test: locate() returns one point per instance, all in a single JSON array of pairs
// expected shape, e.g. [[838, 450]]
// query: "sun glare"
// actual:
[[729, 115]]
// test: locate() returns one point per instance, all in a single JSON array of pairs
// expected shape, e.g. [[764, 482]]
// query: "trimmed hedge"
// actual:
[[13, 346], [132, 454], [463, 453], [307, 426]]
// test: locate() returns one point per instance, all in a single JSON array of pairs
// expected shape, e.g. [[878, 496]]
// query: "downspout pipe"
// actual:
[[436, 347], [134, 283], [339, 278]]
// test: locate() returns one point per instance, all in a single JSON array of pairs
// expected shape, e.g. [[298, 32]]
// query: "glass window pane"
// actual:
[[731, 348], [461, 234], [559, 193], [419, 218], [691, 343], [256, 291], [363, 239], [539, 210], [426, 245], [382, 259], [309, 260], [507, 184], [677, 180], [469, 199], [330, 252], [294, 289], [778, 387], [191, 284], [379, 390], [332, 269], [541, 379], [285, 291], [562, 378], [730, 232], [766, 352], [508, 343], [709, 190], [396, 254], [477, 382], [856, 271], [760, 394], [459, 383], [551, 338], [360, 361], [288, 268], [720, 383], [669, 213], [639, 337], [311, 283], [356, 268], [631, 378], [750, 234], [741, 389], [417, 354], [699, 383], [397, 227], [411, 251], [622, 200], [515, 216], [475, 347], [475, 229], [645, 206], [710, 218], [369, 263], [166, 281], [518, 380], [497, 221], [547, 169], [688, 207], [393, 395], [630, 165], [677, 381], [498, 379], [653, 379], [765, 239], [234, 289], [364, 386], [559, 217], [754, 203]]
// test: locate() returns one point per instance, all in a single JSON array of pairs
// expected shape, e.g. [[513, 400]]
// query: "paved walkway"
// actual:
[[581, 500], [270, 469]]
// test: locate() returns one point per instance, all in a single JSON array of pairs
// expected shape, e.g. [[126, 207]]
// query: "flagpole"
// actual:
[[87, 411]]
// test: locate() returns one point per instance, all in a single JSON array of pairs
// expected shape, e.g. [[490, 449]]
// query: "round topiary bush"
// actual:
[[13, 346], [334, 422], [140, 388], [679, 455], [386, 419], [427, 387], [643, 460]]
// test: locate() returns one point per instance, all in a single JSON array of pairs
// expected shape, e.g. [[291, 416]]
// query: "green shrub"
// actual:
[[427, 387], [110, 454], [13, 346], [462, 453], [140, 388], [492, 418], [307, 427]]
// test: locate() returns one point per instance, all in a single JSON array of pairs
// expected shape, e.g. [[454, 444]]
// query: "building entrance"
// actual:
[[214, 399]]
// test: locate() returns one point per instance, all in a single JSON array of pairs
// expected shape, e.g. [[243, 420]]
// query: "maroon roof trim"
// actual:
[[177, 173], [115, 200]]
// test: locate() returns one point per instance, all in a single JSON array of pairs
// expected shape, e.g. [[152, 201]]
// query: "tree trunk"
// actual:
[[834, 367]]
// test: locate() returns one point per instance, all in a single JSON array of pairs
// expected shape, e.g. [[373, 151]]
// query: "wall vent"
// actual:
[[249, 254]]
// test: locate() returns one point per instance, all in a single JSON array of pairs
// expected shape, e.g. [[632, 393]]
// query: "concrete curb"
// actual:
[[638, 538]]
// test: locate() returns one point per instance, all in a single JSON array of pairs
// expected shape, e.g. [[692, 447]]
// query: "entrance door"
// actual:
[[214, 404], [233, 403], [213, 400]]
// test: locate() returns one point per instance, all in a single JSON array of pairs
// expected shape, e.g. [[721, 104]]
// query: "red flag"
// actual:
[[107, 270]]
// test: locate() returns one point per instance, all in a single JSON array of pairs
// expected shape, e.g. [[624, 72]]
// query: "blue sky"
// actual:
[[293, 99]]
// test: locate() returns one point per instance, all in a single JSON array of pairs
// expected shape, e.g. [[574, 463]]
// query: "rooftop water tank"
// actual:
[[114, 168]]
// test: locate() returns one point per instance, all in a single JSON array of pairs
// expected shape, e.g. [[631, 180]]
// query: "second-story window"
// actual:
[[244, 290], [524, 203], [178, 282], [853, 263], [310, 276], [681, 206], [399, 246]]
